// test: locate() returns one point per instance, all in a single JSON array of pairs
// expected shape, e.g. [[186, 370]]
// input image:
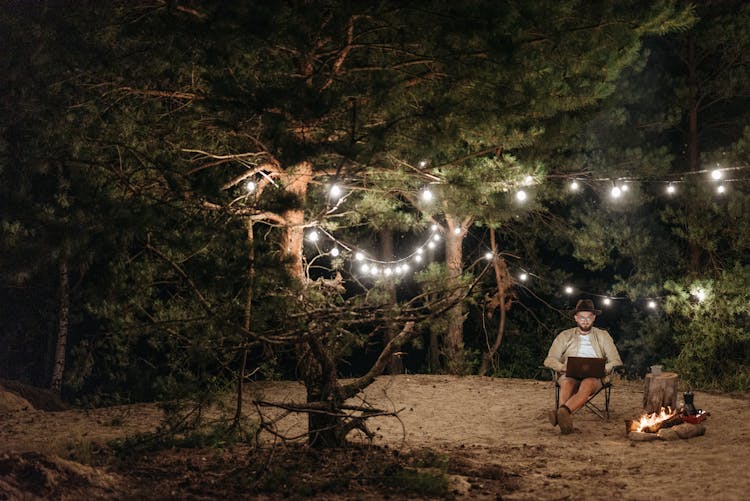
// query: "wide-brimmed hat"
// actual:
[[586, 305]]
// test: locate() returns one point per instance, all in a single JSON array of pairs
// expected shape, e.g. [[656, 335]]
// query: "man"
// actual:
[[584, 340]]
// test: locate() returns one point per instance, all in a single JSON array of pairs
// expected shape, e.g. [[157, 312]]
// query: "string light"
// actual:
[[335, 191], [606, 301], [700, 294], [400, 266], [652, 304], [250, 186]]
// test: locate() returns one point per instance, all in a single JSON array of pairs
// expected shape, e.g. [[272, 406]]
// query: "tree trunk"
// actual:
[[434, 352], [660, 391], [62, 324], [455, 358], [325, 427], [502, 277], [297, 181], [246, 324], [395, 364]]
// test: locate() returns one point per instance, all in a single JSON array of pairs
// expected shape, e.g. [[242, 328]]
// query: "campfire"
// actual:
[[666, 425], [651, 423]]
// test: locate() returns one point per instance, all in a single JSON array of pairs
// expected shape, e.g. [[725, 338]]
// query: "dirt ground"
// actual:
[[492, 433]]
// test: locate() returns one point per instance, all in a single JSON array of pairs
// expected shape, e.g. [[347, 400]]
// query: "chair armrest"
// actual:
[[553, 374], [620, 369]]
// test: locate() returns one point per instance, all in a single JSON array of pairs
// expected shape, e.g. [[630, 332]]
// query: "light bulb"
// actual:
[[431, 245], [528, 180], [574, 186], [313, 236], [716, 174], [616, 192], [457, 231], [606, 301], [671, 188], [523, 277], [418, 258], [488, 256], [427, 195], [436, 237], [335, 191], [721, 189], [568, 289], [335, 252], [364, 268], [250, 186], [359, 256], [423, 163], [652, 304], [521, 196]]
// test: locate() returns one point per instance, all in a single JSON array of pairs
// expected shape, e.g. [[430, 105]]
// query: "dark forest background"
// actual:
[[137, 263]]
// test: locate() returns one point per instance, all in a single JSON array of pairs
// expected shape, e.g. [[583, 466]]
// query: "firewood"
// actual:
[[639, 436], [667, 434], [688, 430]]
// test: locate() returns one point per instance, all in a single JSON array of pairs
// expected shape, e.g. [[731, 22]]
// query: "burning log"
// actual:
[[651, 423]]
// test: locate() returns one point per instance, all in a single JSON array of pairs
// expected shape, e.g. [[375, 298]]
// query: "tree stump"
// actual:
[[660, 391]]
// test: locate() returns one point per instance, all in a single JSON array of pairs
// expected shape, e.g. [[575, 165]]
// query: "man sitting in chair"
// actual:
[[585, 340]]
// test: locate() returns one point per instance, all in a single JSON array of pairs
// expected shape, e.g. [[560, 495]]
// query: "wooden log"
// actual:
[[639, 436], [660, 391], [687, 430], [667, 434]]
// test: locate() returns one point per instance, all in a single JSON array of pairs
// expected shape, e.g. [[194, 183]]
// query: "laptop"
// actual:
[[583, 367]]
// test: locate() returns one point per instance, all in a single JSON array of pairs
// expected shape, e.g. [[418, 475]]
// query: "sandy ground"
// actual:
[[492, 422]]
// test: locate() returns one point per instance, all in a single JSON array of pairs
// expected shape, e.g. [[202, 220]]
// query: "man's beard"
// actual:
[[587, 330]]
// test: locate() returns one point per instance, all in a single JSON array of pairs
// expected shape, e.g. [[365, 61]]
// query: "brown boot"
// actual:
[[565, 420]]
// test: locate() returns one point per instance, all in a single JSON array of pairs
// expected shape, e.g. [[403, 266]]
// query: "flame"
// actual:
[[651, 419]]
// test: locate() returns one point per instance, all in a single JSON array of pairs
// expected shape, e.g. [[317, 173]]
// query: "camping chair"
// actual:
[[606, 388]]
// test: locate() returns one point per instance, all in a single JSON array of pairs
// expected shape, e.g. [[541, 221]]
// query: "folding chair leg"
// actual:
[[590, 405]]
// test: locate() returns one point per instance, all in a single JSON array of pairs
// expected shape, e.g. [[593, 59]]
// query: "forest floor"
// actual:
[[456, 437]]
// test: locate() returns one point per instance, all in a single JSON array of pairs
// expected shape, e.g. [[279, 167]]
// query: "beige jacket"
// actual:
[[566, 345]]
